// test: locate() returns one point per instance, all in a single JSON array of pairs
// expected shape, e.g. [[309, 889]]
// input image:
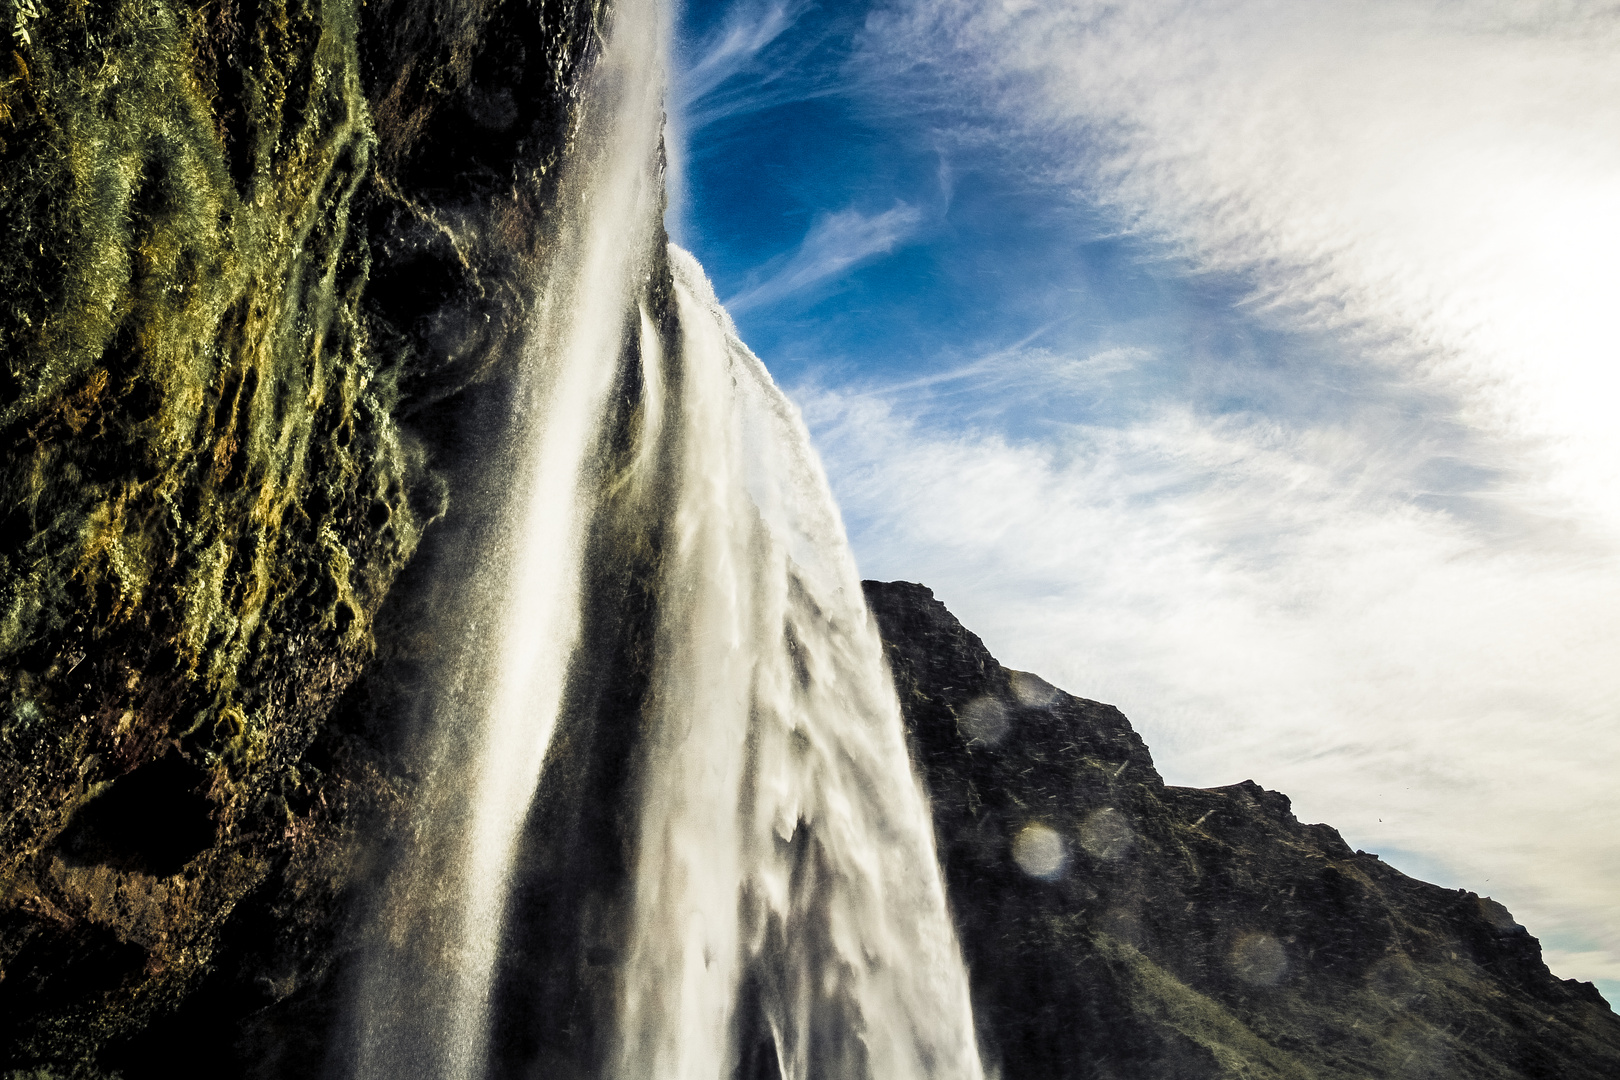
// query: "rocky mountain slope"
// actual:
[[1118, 927]]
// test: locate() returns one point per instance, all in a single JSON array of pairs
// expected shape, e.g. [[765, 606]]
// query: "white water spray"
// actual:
[[785, 842], [425, 1001], [783, 881]]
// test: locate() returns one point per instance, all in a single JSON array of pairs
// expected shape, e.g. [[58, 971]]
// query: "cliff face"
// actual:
[[261, 262], [1119, 927]]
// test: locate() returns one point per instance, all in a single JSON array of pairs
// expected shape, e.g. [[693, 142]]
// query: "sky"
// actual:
[[1250, 365]]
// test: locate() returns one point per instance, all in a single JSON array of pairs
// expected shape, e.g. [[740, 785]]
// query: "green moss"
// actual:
[[204, 491], [1164, 999], [192, 415], [203, 494]]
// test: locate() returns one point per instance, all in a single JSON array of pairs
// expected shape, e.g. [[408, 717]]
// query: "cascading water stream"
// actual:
[[782, 888], [785, 844], [424, 997]]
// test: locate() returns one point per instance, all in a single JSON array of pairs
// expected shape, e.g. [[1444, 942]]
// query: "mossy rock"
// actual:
[[215, 458]]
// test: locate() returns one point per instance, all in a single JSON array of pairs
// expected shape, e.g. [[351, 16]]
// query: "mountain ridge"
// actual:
[[1197, 932]]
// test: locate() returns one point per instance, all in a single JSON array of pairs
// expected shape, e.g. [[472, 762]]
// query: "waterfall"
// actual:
[[783, 895], [785, 842], [424, 995]]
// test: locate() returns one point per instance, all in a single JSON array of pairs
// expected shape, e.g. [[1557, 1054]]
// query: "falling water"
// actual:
[[424, 997], [785, 844], [782, 887]]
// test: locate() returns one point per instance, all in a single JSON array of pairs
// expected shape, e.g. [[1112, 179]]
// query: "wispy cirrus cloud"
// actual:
[[1440, 180], [747, 62], [735, 47], [1007, 378], [1311, 466], [836, 243]]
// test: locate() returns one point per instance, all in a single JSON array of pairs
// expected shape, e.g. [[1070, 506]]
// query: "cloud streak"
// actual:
[[744, 64], [1356, 535], [836, 243], [1440, 181], [1402, 610], [735, 48]]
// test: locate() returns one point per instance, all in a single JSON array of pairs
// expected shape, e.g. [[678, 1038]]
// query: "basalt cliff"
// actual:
[[264, 279]]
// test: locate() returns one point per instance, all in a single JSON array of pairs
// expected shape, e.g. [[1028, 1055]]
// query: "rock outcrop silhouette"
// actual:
[[1116, 926]]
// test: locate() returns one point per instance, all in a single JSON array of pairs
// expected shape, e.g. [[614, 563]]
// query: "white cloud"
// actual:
[[734, 47], [729, 71], [835, 243], [1441, 179], [1594, 963], [1426, 663], [1263, 602], [1022, 369]]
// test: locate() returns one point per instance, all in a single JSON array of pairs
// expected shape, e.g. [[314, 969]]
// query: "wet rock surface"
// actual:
[[1118, 927], [264, 264]]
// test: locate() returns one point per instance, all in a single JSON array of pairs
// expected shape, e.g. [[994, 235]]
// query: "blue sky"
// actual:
[[860, 238], [1249, 364]]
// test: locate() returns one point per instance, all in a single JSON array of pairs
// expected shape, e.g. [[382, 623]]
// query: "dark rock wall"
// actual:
[[263, 266], [1197, 933]]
